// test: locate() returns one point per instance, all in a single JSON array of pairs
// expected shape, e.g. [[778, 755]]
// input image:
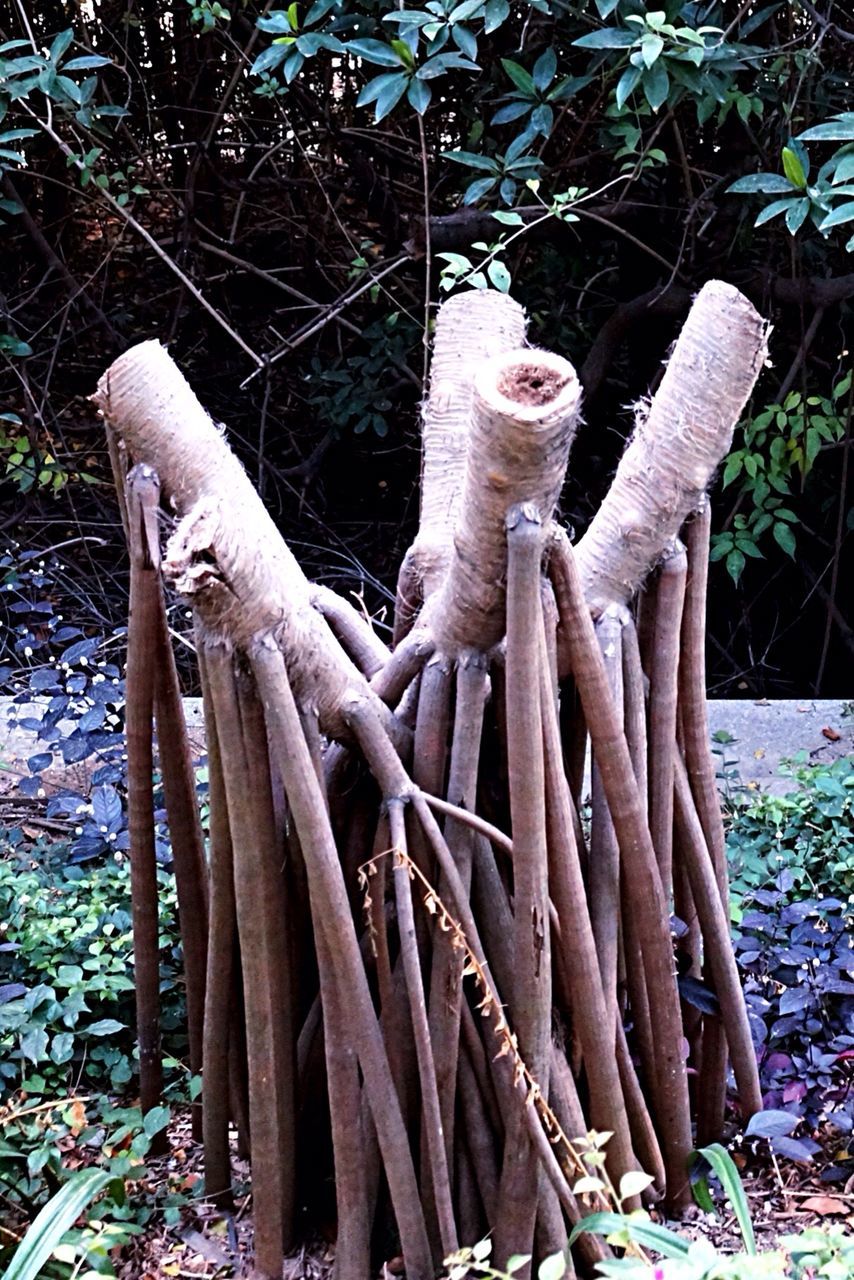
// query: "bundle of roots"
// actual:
[[412, 970]]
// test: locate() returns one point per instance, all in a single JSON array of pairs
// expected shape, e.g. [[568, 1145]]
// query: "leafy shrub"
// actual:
[[780, 446], [797, 964], [66, 1000], [46, 1147], [70, 669], [54, 1220], [359, 392], [792, 880], [52, 660], [67, 1045], [815, 1251], [808, 835]]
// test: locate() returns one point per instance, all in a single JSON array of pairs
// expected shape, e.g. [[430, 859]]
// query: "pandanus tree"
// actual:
[[409, 962]]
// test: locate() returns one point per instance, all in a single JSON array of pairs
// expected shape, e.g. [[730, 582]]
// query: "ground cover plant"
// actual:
[[67, 1047], [792, 906]]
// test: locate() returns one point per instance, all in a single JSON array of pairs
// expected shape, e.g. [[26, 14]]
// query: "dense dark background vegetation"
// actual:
[[191, 174]]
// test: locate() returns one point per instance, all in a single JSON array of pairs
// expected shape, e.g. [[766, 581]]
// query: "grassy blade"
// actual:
[[58, 1215], [722, 1163], [647, 1234]]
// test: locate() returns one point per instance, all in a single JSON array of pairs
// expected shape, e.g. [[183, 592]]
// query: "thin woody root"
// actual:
[[489, 1007]]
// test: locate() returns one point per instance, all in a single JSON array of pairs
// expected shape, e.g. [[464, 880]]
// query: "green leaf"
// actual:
[[776, 206], [475, 190], [276, 23], [522, 79], [508, 217], [106, 1027], [768, 184], [495, 14], [292, 65], [722, 544], [58, 1215], [390, 96], [607, 38], [462, 12], [499, 275], [626, 85], [372, 90], [735, 563], [517, 148], [404, 54], [61, 45], [62, 1047], [443, 62], [840, 131], [722, 1162], [516, 1261], [588, 1184], [812, 446], [634, 1182], [293, 16], [642, 1231], [702, 1195], [14, 346], [471, 160], [793, 169], [268, 59], [656, 86], [841, 214], [796, 215], [465, 40], [844, 169], [375, 51], [155, 1120], [87, 63], [34, 1044], [318, 10], [419, 93], [651, 47], [544, 69], [552, 1268]]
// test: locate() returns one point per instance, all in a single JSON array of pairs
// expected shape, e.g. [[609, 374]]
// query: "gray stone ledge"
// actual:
[[762, 733]]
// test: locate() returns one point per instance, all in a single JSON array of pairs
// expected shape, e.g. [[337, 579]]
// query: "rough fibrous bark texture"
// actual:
[[523, 418], [677, 445], [471, 328], [226, 554]]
